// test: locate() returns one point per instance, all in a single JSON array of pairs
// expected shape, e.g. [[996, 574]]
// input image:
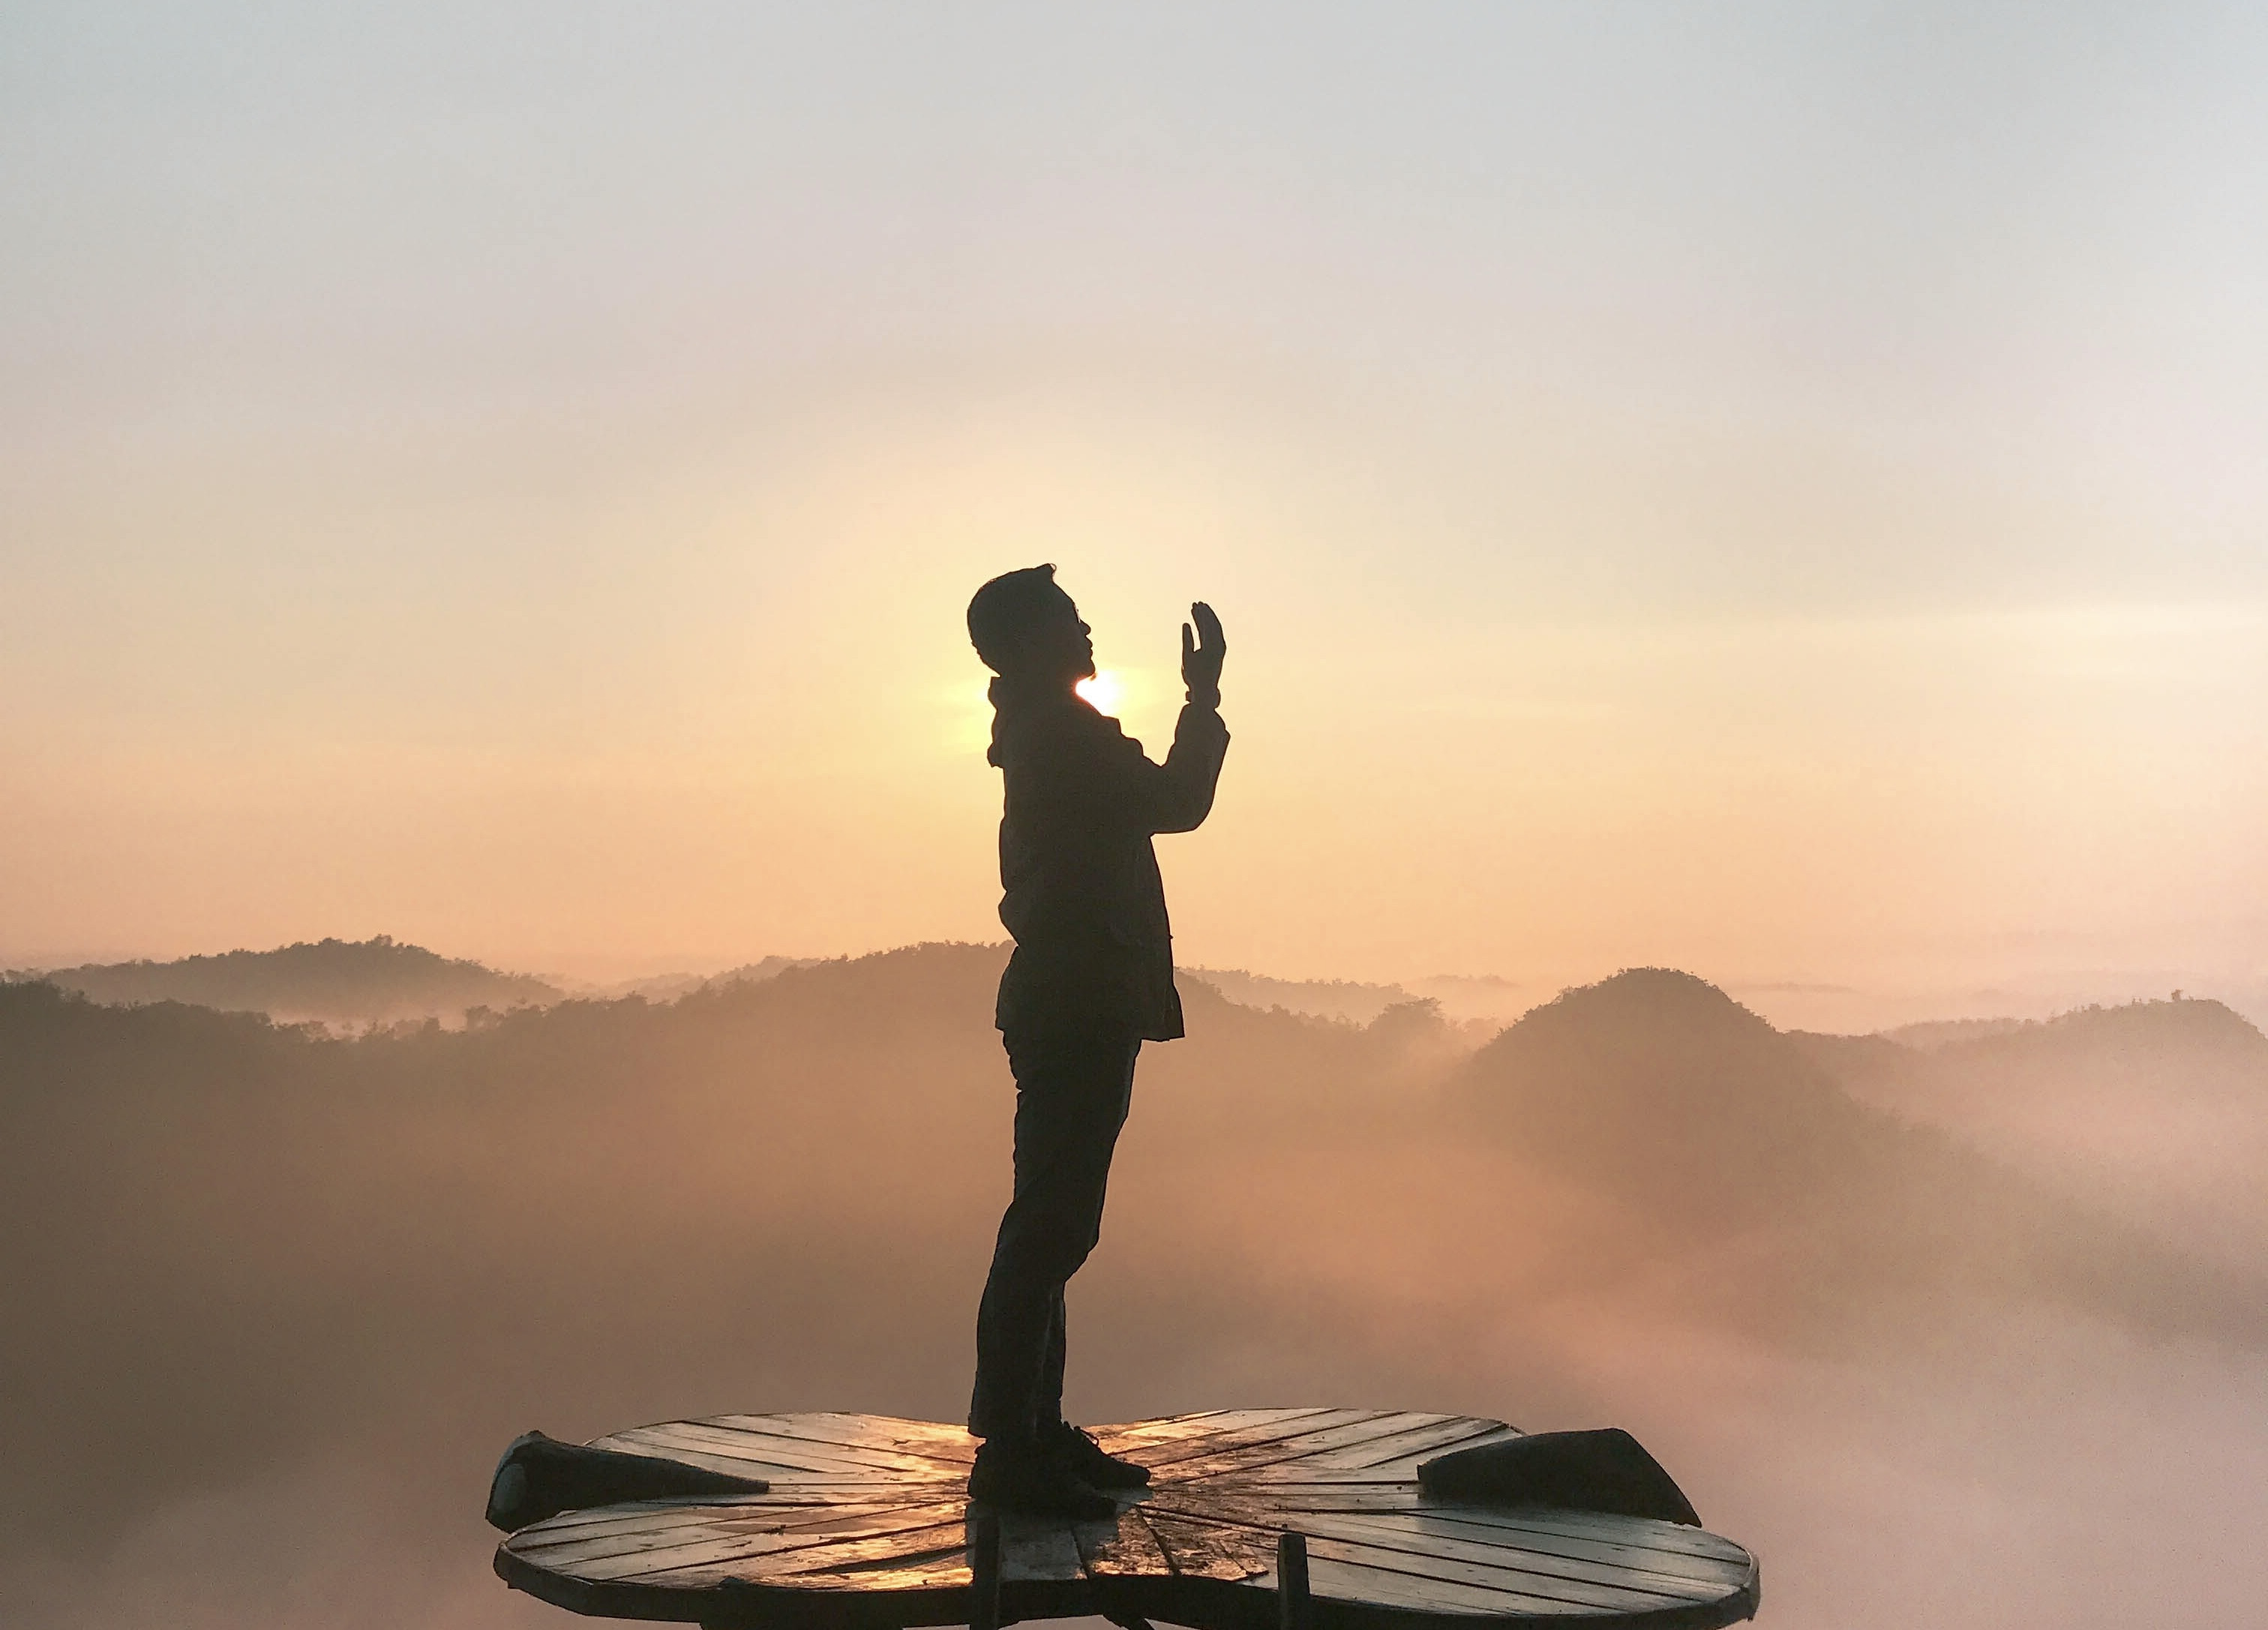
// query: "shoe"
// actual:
[[1022, 1477], [1077, 1453]]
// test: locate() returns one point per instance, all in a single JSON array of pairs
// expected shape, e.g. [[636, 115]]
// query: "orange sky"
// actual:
[[1779, 500]]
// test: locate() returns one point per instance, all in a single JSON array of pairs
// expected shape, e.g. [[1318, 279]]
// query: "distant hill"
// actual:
[[1350, 1000], [2157, 1108], [1463, 998], [670, 986], [1657, 1089], [331, 980], [1931, 1034]]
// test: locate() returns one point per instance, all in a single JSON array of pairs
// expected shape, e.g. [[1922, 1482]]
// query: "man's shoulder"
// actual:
[[1069, 726]]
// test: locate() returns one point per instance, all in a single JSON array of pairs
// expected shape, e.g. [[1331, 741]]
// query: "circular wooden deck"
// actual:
[[866, 1528]]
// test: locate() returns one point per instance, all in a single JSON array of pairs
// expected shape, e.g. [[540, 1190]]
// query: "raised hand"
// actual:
[[1202, 650]]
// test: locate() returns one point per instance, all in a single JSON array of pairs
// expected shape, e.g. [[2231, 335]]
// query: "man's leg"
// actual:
[[1072, 1090], [1047, 1397]]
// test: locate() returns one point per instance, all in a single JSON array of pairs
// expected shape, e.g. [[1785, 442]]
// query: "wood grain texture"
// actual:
[[867, 1527]]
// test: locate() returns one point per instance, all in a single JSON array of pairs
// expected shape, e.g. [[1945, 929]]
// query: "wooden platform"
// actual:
[[868, 1528]]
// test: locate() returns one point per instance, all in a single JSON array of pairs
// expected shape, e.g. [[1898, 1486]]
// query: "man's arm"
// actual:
[[1177, 795]]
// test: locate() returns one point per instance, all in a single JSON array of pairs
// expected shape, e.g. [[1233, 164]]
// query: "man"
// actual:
[[1091, 978]]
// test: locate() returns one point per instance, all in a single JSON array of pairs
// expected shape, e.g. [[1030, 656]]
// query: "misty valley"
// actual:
[[1921, 1319]]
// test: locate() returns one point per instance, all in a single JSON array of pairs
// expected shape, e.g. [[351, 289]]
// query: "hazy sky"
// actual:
[[1772, 489]]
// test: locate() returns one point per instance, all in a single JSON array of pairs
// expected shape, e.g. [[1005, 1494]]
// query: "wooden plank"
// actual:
[[944, 1529], [1204, 1550], [1298, 1496], [939, 1568], [1167, 1429], [789, 1515], [780, 1499], [948, 1571], [807, 1551], [1217, 1503], [806, 1454], [1223, 1451], [612, 1519], [1391, 1425], [1633, 1531], [736, 1549], [1292, 1448], [1603, 1597], [1562, 1557], [881, 1441], [772, 1563], [549, 1537], [578, 1556], [1173, 1440], [860, 1517], [1345, 1427], [739, 1456], [1333, 1580], [949, 1574], [1431, 1531], [925, 1555], [1166, 1426], [893, 1432], [1663, 1573], [1419, 1442], [1270, 1426], [794, 1457], [1644, 1532], [1125, 1550]]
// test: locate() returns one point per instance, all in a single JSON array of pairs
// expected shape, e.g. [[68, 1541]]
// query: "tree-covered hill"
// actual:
[[334, 981]]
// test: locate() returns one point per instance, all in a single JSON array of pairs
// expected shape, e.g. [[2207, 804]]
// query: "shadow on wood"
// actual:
[[540, 1476], [1607, 1470]]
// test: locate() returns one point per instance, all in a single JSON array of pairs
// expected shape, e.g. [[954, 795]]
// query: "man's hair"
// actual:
[[1005, 608]]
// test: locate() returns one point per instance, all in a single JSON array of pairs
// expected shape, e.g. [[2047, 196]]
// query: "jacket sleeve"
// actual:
[[1177, 795]]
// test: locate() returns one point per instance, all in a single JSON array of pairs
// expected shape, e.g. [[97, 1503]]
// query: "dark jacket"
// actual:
[[1081, 893]]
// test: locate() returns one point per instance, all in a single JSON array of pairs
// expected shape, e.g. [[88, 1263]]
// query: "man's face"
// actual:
[[1058, 645]]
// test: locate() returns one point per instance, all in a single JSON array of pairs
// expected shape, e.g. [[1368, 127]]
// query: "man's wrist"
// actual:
[[1205, 696]]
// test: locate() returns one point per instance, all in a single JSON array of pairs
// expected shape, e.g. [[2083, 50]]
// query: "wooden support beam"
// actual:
[[983, 1571], [1295, 1609]]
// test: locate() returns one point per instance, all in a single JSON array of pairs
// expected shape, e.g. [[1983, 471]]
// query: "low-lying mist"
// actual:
[[276, 1300]]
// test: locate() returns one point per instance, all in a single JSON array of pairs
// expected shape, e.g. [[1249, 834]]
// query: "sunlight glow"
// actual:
[[1102, 692]]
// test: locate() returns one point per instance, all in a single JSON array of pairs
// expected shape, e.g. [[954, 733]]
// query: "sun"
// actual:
[[1103, 691]]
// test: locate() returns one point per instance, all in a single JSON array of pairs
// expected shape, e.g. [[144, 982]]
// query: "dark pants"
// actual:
[[1073, 1089]]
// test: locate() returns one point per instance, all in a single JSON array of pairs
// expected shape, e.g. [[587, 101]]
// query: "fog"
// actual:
[[278, 1299]]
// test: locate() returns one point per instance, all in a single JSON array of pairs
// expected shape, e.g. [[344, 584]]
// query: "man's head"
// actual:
[[1025, 628]]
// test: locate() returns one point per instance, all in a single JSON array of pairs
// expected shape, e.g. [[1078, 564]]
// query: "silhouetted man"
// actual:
[[1091, 978]]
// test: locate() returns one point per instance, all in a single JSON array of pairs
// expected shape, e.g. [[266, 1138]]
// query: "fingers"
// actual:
[[1201, 652]]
